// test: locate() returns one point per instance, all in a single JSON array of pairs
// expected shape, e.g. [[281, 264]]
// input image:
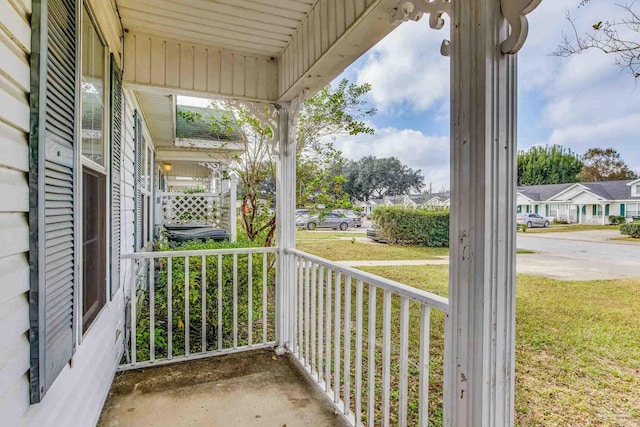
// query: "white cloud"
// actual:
[[428, 153], [406, 69]]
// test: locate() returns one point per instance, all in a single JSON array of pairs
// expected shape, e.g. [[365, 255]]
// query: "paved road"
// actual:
[[586, 255]]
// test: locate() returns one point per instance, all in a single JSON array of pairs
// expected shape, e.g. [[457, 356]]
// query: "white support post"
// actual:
[[480, 347], [285, 228], [233, 209]]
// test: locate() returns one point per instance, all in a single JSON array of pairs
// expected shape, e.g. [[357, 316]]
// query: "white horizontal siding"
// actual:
[[185, 68], [15, 41], [77, 396]]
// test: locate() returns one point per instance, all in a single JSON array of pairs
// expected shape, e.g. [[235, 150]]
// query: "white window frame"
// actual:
[[102, 169]]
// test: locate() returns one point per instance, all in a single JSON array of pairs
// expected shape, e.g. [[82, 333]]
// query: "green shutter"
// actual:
[[606, 210], [536, 208], [623, 209], [53, 186], [116, 159], [519, 208], [584, 209], [138, 225], [594, 210], [546, 210]]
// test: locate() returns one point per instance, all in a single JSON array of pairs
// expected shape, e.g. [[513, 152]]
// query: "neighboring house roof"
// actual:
[[199, 128], [608, 190]]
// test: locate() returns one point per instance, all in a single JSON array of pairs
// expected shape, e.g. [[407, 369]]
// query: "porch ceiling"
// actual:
[[158, 111], [261, 27]]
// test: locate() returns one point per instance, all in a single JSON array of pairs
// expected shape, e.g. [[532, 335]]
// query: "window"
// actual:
[[94, 174], [94, 264], [93, 93]]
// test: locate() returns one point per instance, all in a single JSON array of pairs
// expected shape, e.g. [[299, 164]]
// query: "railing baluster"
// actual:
[[235, 301], [327, 343], [320, 321], [220, 343], [306, 313], [347, 345], [134, 317], [152, 311], [423, 393], [336, 340], [187, 286], [264, 297], [404, 362], [386, 358], [203, 284], [371, 406], [314, 284], [170, 307], [358, 361], [250, 298], [300, 311]]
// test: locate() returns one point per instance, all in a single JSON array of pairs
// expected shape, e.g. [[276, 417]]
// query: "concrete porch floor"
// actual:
[[254, 388]]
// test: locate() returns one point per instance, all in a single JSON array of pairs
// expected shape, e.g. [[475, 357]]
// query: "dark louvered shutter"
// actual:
[[116, 159], [138, 181], [53, 185]]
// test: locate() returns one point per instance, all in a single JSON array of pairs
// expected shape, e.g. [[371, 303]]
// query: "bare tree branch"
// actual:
[[618, 37]]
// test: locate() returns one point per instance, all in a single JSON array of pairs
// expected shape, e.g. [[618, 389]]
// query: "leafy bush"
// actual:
[[161, 301], [616, 220], [631, 229], [412, 226]]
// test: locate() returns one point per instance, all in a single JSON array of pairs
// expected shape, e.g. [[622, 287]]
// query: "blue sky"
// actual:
[[579, 102]]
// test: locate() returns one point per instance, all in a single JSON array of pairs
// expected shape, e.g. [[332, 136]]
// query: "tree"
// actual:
[[548, 165], [604, 164], [619, 37], [332, 111], [335, 110], [371, 177]]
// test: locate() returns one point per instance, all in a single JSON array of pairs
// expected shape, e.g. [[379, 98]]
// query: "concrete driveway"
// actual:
[[580, 255]]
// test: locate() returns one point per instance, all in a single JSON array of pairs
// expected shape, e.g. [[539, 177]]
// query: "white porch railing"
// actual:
[[331, 301], [228, 305], [365, 341]]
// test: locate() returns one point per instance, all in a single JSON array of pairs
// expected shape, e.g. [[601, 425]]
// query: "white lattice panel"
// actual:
[[180, 208]]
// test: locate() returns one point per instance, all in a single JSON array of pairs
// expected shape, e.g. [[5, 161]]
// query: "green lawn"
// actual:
[[577, 347], [336, 246], [578, 343], [565, 228]]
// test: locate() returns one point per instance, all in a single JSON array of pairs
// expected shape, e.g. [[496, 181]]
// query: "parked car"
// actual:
[[302, 212], [355, 219], [532, 220], [331, 220]]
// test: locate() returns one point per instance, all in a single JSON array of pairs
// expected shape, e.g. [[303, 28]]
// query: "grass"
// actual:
[[352, 250], [577, 343], [626, 239], [566, 228], [333, 246], [322, 235], [577, 347]]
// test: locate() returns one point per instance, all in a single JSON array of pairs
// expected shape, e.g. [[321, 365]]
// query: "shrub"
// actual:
[[631, 229], [178, 320], [412, 226], [616, 220]]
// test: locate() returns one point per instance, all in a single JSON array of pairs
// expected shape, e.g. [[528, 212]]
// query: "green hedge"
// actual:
[[616, 220], [631, 229], [211, 295], [412, 226]]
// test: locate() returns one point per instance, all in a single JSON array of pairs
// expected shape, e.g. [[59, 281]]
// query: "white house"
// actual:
[[87, 131], [583, 203]]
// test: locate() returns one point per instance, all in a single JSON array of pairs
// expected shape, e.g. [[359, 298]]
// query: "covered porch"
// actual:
[[333, 322], [278, 311]]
